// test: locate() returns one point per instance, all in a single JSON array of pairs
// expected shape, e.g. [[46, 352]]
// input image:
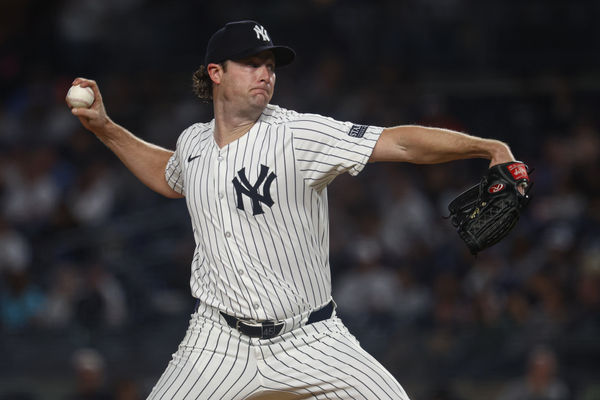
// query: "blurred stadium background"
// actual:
[[94, 267]]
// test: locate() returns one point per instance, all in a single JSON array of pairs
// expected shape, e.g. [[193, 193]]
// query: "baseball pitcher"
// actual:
[[255, 182]]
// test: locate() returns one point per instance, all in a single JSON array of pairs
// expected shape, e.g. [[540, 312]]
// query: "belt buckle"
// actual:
[[237, 324], [251, 323], [268, 329]]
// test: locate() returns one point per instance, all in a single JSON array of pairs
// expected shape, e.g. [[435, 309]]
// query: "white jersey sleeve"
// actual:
[[173, 171], [325, 148]]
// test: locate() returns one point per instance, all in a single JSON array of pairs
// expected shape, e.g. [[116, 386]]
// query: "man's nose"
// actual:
[[264, 73]]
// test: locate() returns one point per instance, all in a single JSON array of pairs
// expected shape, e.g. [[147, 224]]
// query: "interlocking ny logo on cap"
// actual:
[[261, 32]]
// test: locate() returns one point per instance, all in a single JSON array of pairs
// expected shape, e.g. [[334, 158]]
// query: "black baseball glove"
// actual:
[[484, 214]]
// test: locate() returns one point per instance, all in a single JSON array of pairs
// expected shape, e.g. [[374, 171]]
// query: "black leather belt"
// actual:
[[270, 329]]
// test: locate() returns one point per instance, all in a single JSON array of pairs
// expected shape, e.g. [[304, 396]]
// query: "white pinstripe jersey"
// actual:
[[259, 209]]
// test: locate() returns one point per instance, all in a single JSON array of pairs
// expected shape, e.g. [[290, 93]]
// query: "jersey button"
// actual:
[[220, 158], [241, 271], [221, 195], [227, 234], [256, 306]]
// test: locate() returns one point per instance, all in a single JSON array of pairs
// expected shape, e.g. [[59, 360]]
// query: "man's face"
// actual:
[[250, 80]]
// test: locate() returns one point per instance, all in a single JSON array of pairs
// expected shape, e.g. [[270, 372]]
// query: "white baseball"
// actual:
[[80, 97]]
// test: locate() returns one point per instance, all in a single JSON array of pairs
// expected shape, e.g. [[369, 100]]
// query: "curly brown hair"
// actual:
[[202, 84]]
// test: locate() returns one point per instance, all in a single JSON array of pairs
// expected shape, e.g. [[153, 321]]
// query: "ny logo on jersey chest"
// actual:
[[244, 187]]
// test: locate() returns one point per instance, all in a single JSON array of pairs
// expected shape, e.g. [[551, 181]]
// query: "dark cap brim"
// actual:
[[283, 55]]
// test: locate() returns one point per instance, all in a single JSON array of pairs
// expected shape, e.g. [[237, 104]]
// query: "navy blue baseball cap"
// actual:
[[241, 39]]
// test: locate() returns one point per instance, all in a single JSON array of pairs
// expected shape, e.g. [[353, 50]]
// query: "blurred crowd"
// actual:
[[94, 267]]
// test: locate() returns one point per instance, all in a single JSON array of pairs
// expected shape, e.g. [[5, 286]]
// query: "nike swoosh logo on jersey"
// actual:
[[190, 158]]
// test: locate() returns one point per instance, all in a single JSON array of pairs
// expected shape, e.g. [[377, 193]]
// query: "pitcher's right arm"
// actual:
[[145, 160]]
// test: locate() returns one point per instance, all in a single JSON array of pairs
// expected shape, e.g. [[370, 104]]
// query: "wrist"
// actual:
[[109, 131], [499, 153]]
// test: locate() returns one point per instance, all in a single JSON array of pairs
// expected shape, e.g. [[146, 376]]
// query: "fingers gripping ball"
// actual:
[[484, 214], [80, 97]]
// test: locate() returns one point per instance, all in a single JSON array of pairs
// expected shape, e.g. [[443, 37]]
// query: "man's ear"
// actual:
[[215, 71]]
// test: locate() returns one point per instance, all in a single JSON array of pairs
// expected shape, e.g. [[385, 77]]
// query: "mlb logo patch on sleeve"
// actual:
[[357, 131]]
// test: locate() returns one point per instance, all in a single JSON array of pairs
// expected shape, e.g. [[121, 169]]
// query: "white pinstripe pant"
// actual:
[[318, 361]]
